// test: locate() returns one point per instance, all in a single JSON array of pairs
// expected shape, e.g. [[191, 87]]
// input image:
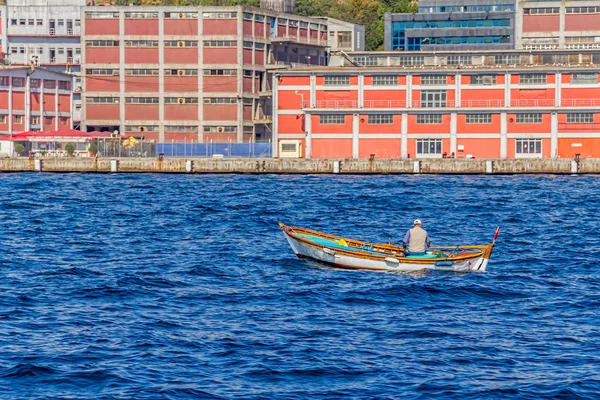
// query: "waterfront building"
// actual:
[[34, 99], [45, 33], [442, 25], [191, 74], [452, 25], [493, 104]]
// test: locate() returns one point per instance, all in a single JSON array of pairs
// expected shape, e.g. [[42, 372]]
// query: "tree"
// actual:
[[19, 148], [70, 149]]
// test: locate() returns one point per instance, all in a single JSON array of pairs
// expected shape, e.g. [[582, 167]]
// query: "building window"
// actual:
[[220, 129], [365, 60], [103, 43], [181, 72], [31, 22], [580, 118], [35, 120], [181, 100], [141, 15], [220, 43], [584, 79], [584, 10], [64, 85], [429, 146], [102, 100], [430, 80], [181, 15], [139, 72], [141, 128], [181, 43], [22, 22], [98, 71], [100, 14], [13, 21], [479, 118], [4, 80], [2, 118], [381, 119], [40, 22], [433, 98], [337, 80], [60, 22], [34, 83], [332, 119], [180, 128], [541, 11], [220, 100], [483, 80], [49, 84], [429, 118], [259, 18], [385, 80], [259, 46], [529, 118], [532, 79], [248, 45], [141, 100], [528, 146], [141, 43], [17, 119], [511, 59], [344, 39], [459, 60], [219, 15], [220, 72], [77, 22], [18, 82]]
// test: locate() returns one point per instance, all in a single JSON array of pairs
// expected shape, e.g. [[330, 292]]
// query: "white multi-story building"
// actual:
[[45, 33]]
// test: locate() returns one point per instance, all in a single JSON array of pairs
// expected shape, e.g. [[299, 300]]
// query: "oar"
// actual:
[[496, 235]]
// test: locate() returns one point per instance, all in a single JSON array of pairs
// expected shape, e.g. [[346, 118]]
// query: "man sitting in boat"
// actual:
[[416, 239]]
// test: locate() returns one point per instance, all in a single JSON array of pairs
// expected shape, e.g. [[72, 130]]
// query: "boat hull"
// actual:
[[340, 260]]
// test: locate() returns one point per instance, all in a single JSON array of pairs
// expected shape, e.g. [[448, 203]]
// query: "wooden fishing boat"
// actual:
[[355, 254]]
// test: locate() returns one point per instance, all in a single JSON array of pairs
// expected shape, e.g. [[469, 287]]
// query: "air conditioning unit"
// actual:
[[181, 100], [78, 88], [290, 149], [180, 15], [142, 129], [114, 135], [220, 129], [488, 80], [180, 72], [181, 43]]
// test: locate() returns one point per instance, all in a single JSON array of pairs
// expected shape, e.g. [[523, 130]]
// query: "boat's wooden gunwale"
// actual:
[[388, 249]]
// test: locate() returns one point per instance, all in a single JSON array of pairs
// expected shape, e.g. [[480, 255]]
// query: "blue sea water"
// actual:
[[183, 287]]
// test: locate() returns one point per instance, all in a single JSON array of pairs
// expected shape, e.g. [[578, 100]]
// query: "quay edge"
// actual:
[[303, 166]]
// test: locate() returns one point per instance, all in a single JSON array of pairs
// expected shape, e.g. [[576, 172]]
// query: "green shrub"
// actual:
[[70, 149], [93, 148], [19, 148]]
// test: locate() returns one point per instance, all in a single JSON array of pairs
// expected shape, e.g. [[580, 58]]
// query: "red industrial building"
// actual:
[[190, 74], [507, 104]]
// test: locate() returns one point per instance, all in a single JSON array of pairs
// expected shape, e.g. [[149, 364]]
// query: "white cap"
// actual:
[[417, 222]]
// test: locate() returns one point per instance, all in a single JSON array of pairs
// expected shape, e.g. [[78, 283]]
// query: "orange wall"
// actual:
[[413, 127], [181, 55], [181, 137], [382, 148], [590, 148], [541, 23], [291, 123], [247, 56], [294, 81], [181, 112], [321, 81], [259, 29], [141, 27], [141, 55], [392, 95], [18, 99], [331, 148], [49, 104], [482, 98], [337, 95], [181, 27], [220, 112], [141, 111], [412, 147], [141, 83], [577, 93], [102, 55], [259, 57], [247, 28], [220, 84], [247, 85], [102, 26], [463, 127], [4, 99], [219, 27], [177, 84], [513, 127], [64, 103], [332, 128], [365, 127], [479, 148], [220, 56], [289, 100], [102, 111], [102, 83]]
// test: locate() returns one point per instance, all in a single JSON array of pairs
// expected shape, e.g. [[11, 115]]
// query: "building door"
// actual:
[[273, 24], [69, 27], [52, 27]]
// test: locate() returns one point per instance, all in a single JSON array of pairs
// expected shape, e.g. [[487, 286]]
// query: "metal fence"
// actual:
[[210, 149], [114, 148]]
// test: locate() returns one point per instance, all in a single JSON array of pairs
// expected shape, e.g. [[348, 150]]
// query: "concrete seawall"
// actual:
[[304, 166]]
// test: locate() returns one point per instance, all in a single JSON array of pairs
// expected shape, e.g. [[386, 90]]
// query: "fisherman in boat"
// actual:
[[416, 239]]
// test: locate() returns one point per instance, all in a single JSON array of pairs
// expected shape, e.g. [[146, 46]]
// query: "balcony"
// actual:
[[579, 127], [265, 119], [70, 31], [52, 31], [299, 40]]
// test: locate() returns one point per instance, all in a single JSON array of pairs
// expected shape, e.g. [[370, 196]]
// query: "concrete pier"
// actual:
[[303, 166]]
